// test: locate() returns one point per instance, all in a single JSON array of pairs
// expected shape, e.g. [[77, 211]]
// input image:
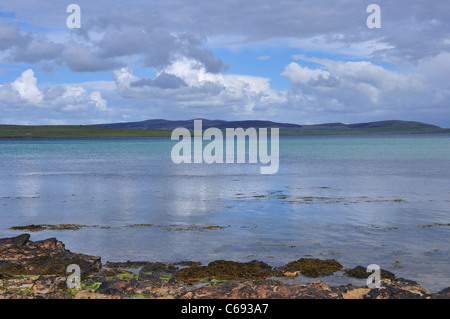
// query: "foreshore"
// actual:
[[38, 270]]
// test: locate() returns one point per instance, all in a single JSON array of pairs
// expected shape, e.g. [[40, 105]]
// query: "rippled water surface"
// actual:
[[359, 200]]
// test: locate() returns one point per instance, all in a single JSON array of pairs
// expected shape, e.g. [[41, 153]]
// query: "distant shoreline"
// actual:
[[74, 132], [22, 138], [163, 128]]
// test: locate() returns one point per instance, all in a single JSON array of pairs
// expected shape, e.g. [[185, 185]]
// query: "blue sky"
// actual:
[[298, 61]]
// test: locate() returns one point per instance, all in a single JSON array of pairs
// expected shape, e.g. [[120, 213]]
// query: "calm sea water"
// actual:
[[359, 200]]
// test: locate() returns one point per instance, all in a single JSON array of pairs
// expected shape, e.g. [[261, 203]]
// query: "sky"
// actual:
[[294, 61]]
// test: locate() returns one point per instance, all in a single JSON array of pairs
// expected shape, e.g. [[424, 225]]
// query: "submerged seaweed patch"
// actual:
[[174, 227], [41, 227], [200, 228], [432, 225], [295, 199]]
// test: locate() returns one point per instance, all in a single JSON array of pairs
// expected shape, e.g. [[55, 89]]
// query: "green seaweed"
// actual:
[[165, 276], [311, 267], [128, 275], [93, 286]]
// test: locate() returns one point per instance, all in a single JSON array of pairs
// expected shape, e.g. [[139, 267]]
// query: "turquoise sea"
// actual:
[[358, 199]]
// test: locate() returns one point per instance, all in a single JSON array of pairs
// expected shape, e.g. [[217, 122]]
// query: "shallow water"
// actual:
[[359, 200]]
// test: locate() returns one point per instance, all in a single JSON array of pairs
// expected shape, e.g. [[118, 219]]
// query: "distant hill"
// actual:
[[381, 127], [189, 124], [74, 131], [163, 128]]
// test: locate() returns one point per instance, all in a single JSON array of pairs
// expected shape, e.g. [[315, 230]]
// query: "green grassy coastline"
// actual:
[[75, 131], [89, 131]]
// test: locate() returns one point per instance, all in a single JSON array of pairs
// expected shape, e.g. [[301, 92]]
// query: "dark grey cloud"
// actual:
[[158, 48], [81, 58], [416, 29], [27, 47], [212, 64], [403, 21], [162, 81], [10, 36], [122, 42], [36, 49], [164, 29]]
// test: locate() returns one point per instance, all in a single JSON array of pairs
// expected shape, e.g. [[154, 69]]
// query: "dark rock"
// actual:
[[57, 295], [268, 289], [18, 241], [443, 294], [360, 272], [20, 256], [50, 243], [116, 287], [398, 289]]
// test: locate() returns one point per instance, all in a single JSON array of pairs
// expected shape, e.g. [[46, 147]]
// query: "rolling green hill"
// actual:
[[163, 128], [382, 127], [75, 131]]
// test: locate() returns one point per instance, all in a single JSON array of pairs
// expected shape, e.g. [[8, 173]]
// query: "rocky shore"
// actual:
[[37, 270]]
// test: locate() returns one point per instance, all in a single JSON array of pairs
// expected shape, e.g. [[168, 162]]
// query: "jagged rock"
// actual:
[[116, 287], [443, 294], [20, 256], [398, 289], [18, 241]]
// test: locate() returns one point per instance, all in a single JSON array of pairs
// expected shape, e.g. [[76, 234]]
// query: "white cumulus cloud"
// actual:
[[200, 89], [304, 75], [26, 86], [99, 102], [352, 86]]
